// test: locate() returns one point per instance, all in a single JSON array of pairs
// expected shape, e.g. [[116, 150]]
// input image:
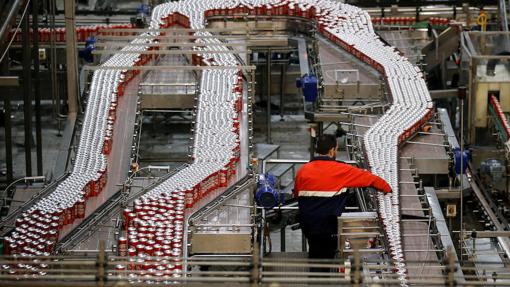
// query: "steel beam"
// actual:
[[27, 91], [71, 57], [37, 92], [4, 69], [268, 71], [9, 81], [443, 94]]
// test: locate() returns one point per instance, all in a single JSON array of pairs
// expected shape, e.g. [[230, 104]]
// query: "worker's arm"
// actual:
[[361, 178]]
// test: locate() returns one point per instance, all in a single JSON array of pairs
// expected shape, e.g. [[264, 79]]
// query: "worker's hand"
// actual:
[[387, 191]]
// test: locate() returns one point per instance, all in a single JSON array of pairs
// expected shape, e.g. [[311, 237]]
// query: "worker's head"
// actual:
[[327, 145]]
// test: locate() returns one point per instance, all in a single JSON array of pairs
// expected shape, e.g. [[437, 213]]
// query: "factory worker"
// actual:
[[321, 189]]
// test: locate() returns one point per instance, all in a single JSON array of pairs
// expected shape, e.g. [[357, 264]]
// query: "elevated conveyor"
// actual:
[[501, 122]]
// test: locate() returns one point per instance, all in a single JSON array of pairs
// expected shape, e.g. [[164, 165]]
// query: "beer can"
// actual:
[[123, 246]]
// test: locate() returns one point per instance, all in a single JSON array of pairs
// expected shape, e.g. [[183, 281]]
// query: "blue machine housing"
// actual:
[[267, 195], [308, 83], [310, 88], [465, 160]]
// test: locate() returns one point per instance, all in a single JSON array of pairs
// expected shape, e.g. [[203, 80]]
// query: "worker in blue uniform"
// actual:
[[321, 189]]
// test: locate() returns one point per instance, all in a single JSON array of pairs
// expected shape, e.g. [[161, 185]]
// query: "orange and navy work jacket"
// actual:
[[321, 189]]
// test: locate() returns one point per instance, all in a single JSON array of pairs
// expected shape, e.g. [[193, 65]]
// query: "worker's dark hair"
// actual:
[[325, 142]]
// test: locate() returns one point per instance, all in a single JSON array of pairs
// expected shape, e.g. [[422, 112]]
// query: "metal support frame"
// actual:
[[71, 57], [53, 59], [268, 84], [461, 237], [4, 70], [282, 87], [27, 94], [37, 89]]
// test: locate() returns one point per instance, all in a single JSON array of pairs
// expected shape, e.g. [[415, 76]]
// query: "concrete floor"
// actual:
[[165, 139]]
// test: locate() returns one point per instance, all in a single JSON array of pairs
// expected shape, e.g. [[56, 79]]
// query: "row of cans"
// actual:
[[279, 8], [38, 229], [498, 110], [167, 265], [408, 21], [154, 226], [411, 108]]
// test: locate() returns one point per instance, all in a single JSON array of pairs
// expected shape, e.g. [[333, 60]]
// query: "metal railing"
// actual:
[[168, 88], [113, 270], [7, 223]]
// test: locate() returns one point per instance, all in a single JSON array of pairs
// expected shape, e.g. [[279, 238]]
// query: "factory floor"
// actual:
[[51, 141]]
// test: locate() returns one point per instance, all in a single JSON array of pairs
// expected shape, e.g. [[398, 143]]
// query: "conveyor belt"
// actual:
[[500, 119], [108, 210], [216, 142]]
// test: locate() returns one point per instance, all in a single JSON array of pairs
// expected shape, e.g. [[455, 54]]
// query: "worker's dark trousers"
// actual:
[[322, 247]]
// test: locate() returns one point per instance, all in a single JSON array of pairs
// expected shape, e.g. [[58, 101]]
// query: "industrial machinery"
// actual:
[[214, 203]]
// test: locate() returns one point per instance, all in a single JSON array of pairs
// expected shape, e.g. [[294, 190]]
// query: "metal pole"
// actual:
[[282, 88], [4, 68], [451, 268], [461, 239], [282, 239], [101, 264], [27, 99], [262, 227], [35, 51], [268, 62], [53, 61], [255, 272], [71, 59]]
